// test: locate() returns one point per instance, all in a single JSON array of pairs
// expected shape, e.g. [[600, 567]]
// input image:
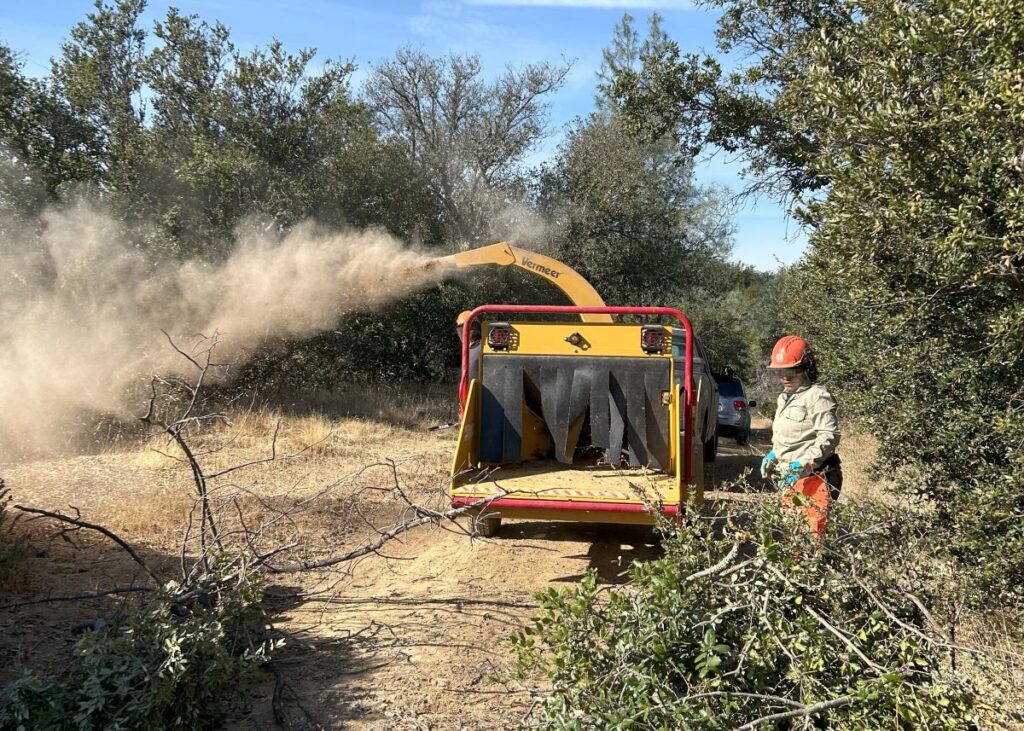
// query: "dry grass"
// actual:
[[317, 435], [411, 406], [999, 674], [156, 519], [143, 490], [155, 459], [858, 452]]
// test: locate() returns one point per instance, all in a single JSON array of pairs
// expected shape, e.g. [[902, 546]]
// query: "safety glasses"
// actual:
[[787, 372]]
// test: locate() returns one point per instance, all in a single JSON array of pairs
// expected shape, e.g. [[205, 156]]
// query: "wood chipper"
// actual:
[[575, 413]]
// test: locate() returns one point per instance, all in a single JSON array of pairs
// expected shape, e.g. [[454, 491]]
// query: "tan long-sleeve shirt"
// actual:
[[805, 428]]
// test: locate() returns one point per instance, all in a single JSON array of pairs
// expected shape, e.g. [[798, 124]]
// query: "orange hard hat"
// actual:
[[461, 319], [792, 351]]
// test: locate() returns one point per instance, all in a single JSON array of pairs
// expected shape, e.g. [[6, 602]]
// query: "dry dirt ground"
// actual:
[[409, 639]]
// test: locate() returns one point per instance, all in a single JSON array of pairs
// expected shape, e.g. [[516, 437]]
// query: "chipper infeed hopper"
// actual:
[[564, 419]]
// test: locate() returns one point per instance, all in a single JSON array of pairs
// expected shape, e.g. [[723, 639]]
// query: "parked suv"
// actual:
[[706, 417], [733, 406]]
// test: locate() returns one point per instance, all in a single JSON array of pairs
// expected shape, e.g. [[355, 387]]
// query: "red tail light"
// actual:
[[652, 338], [739, 404], [499, 337]]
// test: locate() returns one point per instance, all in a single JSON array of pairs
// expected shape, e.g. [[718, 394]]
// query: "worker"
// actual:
[[805, 431]]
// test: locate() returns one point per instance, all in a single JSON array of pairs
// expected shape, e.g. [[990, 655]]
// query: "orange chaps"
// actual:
[[809, 497]]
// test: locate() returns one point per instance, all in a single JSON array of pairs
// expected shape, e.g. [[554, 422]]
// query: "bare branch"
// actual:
[[736, 694], [798, 712], [845, 640], [80, 597], [720, 566], [384, 537], [181, 352], [908, 627], [272, 458], [98, 528]]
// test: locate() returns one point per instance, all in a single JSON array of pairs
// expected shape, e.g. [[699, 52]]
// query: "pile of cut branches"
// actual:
[[744, 624]]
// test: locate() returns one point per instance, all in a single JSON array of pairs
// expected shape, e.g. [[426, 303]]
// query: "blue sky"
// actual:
[[502, 32]]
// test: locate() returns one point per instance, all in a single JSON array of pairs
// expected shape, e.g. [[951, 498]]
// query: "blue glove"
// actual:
[[768, 462], [793, 474]]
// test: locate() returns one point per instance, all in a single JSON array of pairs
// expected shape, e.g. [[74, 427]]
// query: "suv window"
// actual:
[[700, 358], [732, 389], [700, 352]]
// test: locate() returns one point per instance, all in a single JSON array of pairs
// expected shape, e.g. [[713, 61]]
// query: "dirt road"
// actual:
[[409, 640], [435, 619]]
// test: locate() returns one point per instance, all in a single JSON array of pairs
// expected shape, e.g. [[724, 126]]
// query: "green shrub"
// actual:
[[729, 628], [167, 666], [913, 288]]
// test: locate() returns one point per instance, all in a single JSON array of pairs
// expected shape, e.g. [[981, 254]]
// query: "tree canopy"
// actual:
[[184, 139], [895, 128]]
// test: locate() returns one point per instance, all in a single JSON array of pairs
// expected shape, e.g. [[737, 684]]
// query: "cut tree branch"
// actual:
[[99, 529], [840, 702], [80, 597], [383, 538]]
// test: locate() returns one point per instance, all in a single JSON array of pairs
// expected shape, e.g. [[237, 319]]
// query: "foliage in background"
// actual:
[[171, 665], [896, 127], [41, 137], [692, 98], [628, 215], [921, 232], [466, 135], [183, 137], [739, 623], [738, 315]]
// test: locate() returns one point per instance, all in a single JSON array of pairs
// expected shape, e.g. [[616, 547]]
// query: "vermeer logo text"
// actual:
[[540, 268]]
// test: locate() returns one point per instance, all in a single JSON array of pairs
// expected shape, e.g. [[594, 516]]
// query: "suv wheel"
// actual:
[[711, 447]]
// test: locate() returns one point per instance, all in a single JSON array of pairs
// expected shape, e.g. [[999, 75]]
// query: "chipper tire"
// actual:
[[487, 526]]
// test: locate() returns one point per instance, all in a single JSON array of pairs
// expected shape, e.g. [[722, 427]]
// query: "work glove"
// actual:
[[769, 461], [794, 473]]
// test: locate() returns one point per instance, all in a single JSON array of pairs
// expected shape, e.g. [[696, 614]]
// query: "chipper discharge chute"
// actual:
[[569, 414]]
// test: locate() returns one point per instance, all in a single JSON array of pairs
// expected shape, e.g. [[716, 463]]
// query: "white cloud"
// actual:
[[455, 30], [453, 26], [451, 22], [653, 4]]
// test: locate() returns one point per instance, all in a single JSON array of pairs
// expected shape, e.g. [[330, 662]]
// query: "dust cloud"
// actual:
[[81, 309]]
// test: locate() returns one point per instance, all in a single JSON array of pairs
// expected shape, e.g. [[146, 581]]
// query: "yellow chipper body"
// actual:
[[570, 413], [574, 421]]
